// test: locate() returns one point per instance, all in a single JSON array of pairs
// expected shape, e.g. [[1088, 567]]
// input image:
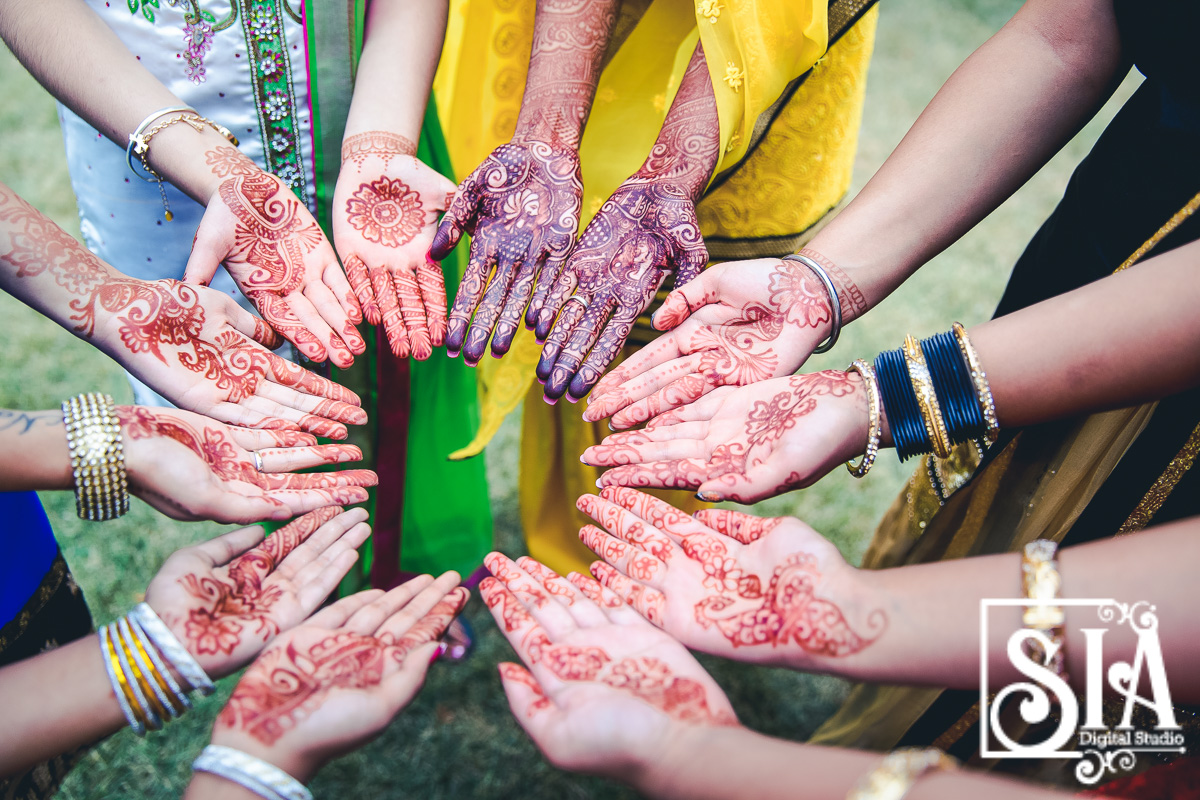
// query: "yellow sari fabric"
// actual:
[[797, 172]]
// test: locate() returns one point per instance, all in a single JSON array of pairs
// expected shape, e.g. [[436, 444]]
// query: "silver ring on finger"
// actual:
[[258, 465], [577, 299]]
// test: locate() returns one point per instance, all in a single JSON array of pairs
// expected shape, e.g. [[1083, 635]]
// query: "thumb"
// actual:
[[525, 696], [450, 230], [208, 248], [686, 299], [757, 483]]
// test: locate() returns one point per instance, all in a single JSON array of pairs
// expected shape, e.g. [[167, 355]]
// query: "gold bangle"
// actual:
[[1040, 580], [97, 457], [931, 410], [165, 693], [875, 418], [897, 773], [121, 683], [983, 390], [156, 703]]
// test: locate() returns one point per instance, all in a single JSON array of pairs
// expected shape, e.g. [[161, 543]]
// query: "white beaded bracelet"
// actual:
[[265, 780]]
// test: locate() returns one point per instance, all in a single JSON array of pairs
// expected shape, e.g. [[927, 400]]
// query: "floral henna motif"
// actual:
[[362, 146], [552, 582], [515, 617], [592, 590], [745, 528], [769, 420], [571, 663], [386, 211], [227, 611]]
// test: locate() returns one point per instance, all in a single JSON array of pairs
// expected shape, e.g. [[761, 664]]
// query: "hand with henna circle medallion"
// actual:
[[738, 323], [276, 253], [601, 688], [386, 207], [227, 598], [744, 443], [334, 683], [763, 590], [190, 467]]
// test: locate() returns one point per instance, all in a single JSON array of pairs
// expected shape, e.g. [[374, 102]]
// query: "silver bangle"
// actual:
[[153, 721], [141, 662], [265, 780], [136, 136], [107, 651], [171, 648], [159, 665], [834, 301]]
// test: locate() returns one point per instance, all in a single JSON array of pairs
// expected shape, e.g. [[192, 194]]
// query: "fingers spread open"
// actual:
[[583, 610], [576, 348], [389, 309], [488, 312], [366, 620], [282, 317], [611, 340], [523, 632], [470, 292], [548, 613], [626, 557]]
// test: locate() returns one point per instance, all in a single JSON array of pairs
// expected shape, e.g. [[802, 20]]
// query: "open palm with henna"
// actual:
[[190, 467], [765, 590], [326, 687], [601, 688], [643, 232], [386, 207], [521, 208], [276, 253], [736, 324], [225, 599], [744, 443]]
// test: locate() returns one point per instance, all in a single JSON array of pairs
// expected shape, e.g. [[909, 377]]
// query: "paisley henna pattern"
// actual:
[[291, 680], [646, 230]]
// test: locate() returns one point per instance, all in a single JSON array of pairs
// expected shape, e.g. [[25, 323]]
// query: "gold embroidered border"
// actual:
[[53, 579], [1161, 489]]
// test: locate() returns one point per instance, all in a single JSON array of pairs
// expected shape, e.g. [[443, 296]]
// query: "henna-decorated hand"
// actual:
[[205, 353], [604, 691], [275, 251], [386, 207], [645, 230], [744, 443], [765, 590], [521, 207], [190, 467], [225, 599], [738, 323], [335, 682]]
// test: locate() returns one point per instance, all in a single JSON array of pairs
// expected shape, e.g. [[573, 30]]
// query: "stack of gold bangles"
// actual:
[[97, 456], [934, 393], [897, 773], [142, 658]]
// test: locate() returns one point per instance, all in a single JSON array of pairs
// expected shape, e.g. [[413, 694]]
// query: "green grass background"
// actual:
[[458, 738]]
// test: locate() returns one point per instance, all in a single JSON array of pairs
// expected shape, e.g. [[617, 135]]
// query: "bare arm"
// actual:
[[995, 122]]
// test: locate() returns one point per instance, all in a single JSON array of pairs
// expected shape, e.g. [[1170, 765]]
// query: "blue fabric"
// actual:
[[27, 550]]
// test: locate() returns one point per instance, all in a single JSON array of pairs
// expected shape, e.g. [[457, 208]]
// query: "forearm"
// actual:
[[723, 762], [55, 702], [1128, 338], [934, 610], [995, 122], [206, 786], [37, 457], [390, 92], [569, 40], [689, 143], [79, 60]]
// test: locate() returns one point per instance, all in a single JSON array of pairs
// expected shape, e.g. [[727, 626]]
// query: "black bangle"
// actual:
[[955, 391], [900, 405]]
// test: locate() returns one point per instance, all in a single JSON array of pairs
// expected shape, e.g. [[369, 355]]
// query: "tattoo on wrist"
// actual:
[[362, 146], [21, 422]]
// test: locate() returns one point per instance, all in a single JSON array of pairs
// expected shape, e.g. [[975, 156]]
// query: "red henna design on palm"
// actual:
[[739, 444], [748, 580], [275, 251], [387, 203], [738, 324]]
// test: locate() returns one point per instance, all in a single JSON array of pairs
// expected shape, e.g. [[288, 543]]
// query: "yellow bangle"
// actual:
[[983, 390], [897, 773], [134, 713], [148, 691], [875, 417], [931, 410]]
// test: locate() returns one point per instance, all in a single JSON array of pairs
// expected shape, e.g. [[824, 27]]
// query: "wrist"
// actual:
[[667, 774], [559, 125], [299, 766], [180, 154]]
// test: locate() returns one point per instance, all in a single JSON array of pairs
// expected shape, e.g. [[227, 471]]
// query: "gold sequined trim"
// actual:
[[1174, 222], [49, 585], [1161, 489]]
